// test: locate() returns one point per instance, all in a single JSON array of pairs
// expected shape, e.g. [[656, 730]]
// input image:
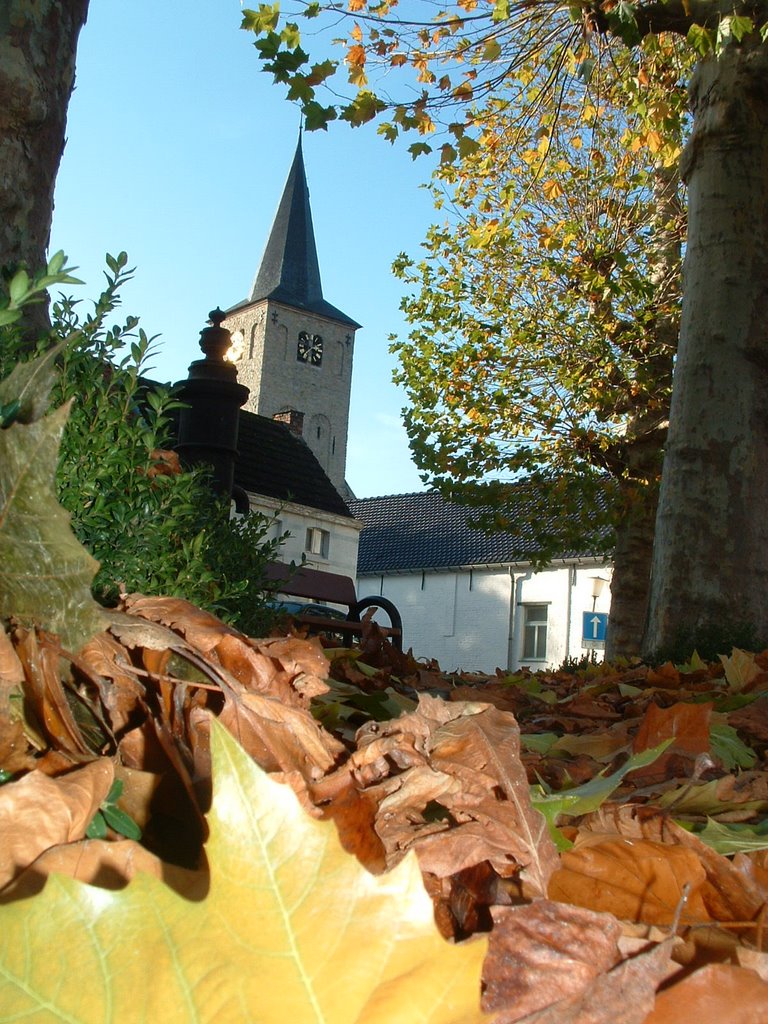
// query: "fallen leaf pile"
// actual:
[[605, 828], [199, 825]]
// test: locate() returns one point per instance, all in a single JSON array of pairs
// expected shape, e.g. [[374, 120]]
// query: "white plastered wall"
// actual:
[[472, 619], [297, 519]]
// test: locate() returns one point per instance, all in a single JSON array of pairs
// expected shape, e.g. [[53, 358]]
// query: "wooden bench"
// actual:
[[333, 588]]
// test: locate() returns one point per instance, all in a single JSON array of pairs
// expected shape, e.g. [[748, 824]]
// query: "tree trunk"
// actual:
[[710, 566], [630, 581], [639, 488], [38, 43]]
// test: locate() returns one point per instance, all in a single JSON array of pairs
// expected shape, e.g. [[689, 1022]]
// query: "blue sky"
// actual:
[[178, 149]]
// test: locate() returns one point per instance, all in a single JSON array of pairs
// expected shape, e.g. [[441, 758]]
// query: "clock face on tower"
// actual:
[[310, 348]]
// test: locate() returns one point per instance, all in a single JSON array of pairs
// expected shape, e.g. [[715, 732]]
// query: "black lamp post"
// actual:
[[209, 422]]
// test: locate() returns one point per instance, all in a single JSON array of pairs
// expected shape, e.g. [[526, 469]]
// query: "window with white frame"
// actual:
[[534, 632], [318, 542]]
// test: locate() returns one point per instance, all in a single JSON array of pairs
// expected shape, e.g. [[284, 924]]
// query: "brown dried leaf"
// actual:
[[353, 810], [16, 754], [201, 629], [666, 676], [463, 901], [553, 964], [686, 724], [61, 810], [713, 995], [723, 893], [280, 738], [478, 784], [11, 672], [414, 806], [753, 961], [123, 694], [107, 865], [752, 720], [290, 669], [40, 654], [134, 632], [634, 879]]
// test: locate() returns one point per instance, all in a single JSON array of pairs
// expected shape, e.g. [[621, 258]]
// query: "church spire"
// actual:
[[289, 270]]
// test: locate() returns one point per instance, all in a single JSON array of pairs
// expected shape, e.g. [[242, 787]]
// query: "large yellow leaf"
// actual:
[[292, 929], [45, 572]]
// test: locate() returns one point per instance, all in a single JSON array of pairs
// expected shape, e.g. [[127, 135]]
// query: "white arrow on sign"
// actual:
[[595, 620]]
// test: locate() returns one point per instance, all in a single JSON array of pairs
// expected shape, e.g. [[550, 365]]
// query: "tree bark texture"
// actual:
[[710, 566], [646, 430], [631, 576], [38, 43]]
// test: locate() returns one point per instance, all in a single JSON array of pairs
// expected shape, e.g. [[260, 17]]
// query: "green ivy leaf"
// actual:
[[729, 749], [729, 839], [587, 798]]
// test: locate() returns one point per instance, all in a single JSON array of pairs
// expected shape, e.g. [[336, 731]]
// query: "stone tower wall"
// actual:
[[278, 380]]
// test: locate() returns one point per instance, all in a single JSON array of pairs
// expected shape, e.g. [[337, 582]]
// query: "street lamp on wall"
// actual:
[[598, 582]]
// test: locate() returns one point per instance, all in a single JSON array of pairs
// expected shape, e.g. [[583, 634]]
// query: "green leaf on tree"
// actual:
[[317, 116], [419, 149], [741, 26], [262, 20], [365, 106], [501, 10], [701, 39]]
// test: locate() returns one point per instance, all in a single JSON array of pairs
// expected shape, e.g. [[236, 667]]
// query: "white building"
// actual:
[[469, 599], [472, 600], [283, 479]]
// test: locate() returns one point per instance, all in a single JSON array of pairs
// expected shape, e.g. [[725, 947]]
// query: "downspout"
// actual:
[[511, 624], [569, 610], [517, 593]]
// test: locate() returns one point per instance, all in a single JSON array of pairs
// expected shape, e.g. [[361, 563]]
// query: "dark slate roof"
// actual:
[[275, 462], [411, 532], [289, 272]]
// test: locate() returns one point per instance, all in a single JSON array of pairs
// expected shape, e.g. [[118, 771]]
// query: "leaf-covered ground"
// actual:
[[598, 840]]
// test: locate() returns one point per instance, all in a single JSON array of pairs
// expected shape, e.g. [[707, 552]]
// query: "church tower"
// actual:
[[292, 349]]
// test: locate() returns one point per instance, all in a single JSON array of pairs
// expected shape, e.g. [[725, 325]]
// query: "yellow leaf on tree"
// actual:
[[292, 928], [552, 189], [356, 56]]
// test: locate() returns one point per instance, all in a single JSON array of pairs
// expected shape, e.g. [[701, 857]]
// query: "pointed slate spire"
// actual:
[[289, 270]]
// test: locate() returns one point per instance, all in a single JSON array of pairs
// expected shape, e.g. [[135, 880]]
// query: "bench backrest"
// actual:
[[327, 587]]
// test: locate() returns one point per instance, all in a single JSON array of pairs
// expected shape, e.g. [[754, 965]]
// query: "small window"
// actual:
[[318, 542], [535, 632]]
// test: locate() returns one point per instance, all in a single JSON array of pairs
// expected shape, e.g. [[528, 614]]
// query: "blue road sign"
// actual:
[[594, 627]]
